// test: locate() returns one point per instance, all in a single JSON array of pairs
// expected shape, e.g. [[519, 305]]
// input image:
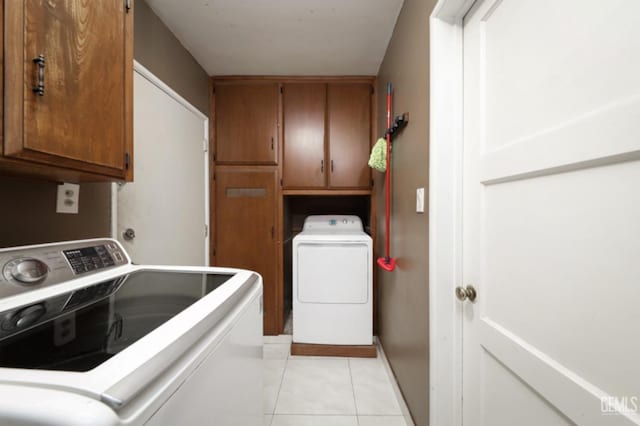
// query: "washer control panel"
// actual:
[[87, 259], [27, 268]]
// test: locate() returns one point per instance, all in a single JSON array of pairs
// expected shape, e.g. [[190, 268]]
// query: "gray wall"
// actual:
[[27, 211], [158, 50], [403, 295]]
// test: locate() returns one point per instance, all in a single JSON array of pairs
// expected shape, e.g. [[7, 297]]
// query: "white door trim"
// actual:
[[144, 72], [445, 212]]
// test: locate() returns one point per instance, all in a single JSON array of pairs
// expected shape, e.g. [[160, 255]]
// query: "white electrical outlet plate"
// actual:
[[68, 198], [420, 200]]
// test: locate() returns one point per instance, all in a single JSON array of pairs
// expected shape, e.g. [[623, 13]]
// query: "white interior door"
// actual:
[[167, 204], [551, 222]]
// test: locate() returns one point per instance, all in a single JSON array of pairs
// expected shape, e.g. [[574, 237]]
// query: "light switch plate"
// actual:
[[420, 200], [68, 198]]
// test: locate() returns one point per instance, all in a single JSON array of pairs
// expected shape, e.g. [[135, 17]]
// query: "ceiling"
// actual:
[[283, 37]]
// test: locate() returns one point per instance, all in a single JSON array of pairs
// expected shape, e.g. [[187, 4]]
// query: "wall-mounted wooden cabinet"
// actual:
[[327, 135], [246, 123], [349, 135], [304, 110], [68, 79]]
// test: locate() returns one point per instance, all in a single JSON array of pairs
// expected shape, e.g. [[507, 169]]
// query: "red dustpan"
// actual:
[[387, 262]]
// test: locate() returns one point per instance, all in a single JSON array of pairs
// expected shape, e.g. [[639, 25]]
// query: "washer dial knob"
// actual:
[[27, 270]]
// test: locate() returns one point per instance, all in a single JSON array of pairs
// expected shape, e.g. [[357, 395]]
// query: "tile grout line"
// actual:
[[284, 370], [353, 391]]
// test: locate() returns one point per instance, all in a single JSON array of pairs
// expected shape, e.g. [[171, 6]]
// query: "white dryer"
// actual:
[[332, 282]]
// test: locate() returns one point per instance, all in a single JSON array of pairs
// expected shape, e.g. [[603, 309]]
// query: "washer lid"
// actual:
[[120, 312]]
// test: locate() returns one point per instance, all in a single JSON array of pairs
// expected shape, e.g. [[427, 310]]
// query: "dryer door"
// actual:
[[333, 272]]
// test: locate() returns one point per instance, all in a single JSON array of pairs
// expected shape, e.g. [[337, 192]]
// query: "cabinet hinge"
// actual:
[[281, 182], [214, 157], [206, 230], [127, 161], [373, 90], [281, 89], [127, 5], [205, 145], [372, 183], [214, 175]]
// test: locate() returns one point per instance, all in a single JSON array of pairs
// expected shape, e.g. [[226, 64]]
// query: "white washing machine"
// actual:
[[332, 282], [89, 338]]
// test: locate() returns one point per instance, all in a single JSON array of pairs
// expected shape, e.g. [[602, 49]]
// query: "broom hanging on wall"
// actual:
[[382, 162]]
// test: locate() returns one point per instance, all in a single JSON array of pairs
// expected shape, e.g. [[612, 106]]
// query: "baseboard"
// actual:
[[353, 351]]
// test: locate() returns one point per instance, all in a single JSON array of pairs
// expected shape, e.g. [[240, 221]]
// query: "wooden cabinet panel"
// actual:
[[327, 134], [246, 123], [349, 124], [304, 163], [245, 220], [82, 117]]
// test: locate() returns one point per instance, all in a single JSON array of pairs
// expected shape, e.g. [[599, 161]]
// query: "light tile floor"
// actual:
[[327, 391]]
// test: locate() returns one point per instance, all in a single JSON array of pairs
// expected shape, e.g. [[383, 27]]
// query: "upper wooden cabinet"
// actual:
[[68, 79], [246, 122], [327, 134], [349, 124], [304, 109]]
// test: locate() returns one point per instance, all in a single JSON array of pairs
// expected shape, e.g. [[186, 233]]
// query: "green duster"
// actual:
[[378, 158]]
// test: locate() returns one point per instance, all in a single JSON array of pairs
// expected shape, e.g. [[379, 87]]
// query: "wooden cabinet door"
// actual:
[[349, 124], [245, 219], [82, 116], [246, 117], [304, 163]]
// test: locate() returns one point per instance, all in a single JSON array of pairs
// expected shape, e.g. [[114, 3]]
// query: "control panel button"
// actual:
[[27, 270]]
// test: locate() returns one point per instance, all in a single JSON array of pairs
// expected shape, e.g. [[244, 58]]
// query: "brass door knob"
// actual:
[[466, 293], [129, 234]]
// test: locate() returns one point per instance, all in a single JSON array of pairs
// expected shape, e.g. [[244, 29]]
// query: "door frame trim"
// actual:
[[445, 211], [153, 79]]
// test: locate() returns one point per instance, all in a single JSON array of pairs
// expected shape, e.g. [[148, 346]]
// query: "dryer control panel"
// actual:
[[32, 267], [333, 223]]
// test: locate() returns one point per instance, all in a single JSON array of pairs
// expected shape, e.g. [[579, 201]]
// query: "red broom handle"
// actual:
[[388, 176]]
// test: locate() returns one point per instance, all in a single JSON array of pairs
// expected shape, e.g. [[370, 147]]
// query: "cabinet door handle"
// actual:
[[321, 166], [39, 87], [331, 166], [272, 143]]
